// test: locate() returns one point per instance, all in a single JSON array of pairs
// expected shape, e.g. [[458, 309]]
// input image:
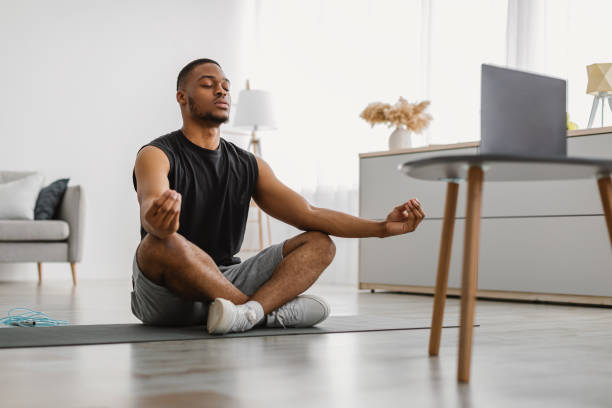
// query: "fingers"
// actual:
[[174, 226], [411, 209], [410, 225], [159, 202], [420, 208], [403, 227], [168, 205], [165, 210], [411, 215], [172, 213], [167, 200], [401, 208], [170, 222], [415, 206], [417, 221]]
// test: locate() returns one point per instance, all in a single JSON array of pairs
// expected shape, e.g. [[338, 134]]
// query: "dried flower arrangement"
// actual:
[[411, 115]]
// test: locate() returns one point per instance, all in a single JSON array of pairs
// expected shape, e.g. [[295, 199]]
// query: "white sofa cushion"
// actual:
[[18, 197], [38, 230], [9, 175]]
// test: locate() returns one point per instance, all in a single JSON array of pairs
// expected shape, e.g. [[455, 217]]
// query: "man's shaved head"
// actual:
[[182, 76], [203, 92]]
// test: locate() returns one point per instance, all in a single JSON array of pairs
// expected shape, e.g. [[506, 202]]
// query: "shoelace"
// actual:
[[251, 315], [250, 319], [286, 313]]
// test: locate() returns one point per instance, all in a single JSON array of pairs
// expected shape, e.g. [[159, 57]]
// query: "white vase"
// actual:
[[401, 138]]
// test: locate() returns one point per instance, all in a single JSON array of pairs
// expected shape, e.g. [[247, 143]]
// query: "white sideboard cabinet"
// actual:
[[540, 240]]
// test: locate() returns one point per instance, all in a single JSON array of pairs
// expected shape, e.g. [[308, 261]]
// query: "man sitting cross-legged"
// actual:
[[194, 190]]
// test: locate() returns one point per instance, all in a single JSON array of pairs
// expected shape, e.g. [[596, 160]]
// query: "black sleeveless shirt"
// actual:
[[216, 188]]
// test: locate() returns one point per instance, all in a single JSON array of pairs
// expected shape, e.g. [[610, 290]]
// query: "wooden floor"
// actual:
[[530, 355]]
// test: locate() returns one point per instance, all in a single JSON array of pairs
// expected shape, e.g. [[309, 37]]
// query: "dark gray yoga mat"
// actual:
[[13, 337]]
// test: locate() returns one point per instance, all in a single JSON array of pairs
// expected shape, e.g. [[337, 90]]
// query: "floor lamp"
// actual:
[[255, 112], [600, 86]]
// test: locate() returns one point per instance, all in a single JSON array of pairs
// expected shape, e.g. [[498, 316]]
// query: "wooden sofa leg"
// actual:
[[39, 272], [73, 267]]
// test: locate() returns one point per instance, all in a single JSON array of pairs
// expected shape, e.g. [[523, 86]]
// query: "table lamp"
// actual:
[[255, 111], [600, 86]]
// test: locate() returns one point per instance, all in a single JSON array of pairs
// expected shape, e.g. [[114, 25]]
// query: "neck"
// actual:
[[203, 136]]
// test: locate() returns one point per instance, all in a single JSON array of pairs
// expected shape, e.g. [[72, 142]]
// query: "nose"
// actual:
[[220, 90]]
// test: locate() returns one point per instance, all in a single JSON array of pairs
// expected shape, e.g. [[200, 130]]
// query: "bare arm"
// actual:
[[282, 203], [159, 205]]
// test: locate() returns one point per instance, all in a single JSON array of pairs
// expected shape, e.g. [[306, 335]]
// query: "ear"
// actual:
[[181, 98]]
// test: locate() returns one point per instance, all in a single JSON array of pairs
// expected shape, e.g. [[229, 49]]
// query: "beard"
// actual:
[[195, 110]]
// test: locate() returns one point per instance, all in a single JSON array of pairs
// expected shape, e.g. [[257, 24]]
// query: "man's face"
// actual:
[[206, 94]]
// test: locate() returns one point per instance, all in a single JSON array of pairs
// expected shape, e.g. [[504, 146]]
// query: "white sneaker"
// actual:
[[224, 317], [303, 311]]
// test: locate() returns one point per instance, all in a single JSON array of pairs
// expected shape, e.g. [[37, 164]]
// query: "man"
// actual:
[[194, 190]]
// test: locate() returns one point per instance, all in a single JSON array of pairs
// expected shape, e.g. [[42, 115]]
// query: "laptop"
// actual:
[[522, 114]]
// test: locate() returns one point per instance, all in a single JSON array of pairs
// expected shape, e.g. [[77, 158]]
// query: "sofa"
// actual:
[[51, 240]]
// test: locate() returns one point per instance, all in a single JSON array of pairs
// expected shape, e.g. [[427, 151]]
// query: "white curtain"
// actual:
[[464, 35], [324, 61], [560, 38]]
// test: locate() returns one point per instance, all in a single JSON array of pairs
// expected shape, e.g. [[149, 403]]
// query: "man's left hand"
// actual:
[[404, 218]]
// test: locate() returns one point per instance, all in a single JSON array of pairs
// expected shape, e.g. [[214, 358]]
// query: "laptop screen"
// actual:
[[522, 114]]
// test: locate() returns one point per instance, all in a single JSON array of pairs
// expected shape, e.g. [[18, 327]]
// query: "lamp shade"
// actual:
[[600, 78], [255, 110]]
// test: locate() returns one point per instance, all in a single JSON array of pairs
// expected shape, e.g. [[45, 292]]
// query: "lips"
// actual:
[[222, 104]]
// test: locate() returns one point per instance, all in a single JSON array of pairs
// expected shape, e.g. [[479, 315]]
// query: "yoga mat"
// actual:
[[15, 337]]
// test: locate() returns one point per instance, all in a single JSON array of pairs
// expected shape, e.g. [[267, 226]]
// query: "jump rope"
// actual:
[[24, 317]]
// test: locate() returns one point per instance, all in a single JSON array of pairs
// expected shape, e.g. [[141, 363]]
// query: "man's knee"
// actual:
[[155, 253], [323, 244]]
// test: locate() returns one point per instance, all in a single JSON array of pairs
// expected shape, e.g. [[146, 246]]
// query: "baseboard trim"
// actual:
[[499, 294]]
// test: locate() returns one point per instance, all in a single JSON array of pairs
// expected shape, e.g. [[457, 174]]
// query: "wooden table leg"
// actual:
[[605, 191], [446, 242], [470, 271]]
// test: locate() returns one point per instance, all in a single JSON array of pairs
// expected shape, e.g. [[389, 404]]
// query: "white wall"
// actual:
[[85, 84]]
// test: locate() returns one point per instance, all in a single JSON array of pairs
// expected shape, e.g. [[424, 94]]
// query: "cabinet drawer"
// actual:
[[565, 255], [382, 187], [594, 146]]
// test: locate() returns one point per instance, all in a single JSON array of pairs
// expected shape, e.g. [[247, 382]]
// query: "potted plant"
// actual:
[[405, 116]]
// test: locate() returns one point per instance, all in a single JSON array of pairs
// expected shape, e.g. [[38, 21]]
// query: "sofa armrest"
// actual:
[[72, 210]]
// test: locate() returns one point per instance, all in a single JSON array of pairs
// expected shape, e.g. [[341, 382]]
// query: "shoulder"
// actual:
[[156, 157], [151, 160], [152, 153], [164, 146], [169, 141], [158, 153]]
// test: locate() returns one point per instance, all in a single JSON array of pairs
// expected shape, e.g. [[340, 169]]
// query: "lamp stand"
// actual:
[[255, 144], [255, 147], [601, 97]]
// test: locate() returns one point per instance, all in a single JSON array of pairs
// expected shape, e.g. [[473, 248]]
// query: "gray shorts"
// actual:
[[156, 305]]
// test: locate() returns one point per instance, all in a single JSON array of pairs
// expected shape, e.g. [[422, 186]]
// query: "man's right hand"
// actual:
[[163, 214]]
